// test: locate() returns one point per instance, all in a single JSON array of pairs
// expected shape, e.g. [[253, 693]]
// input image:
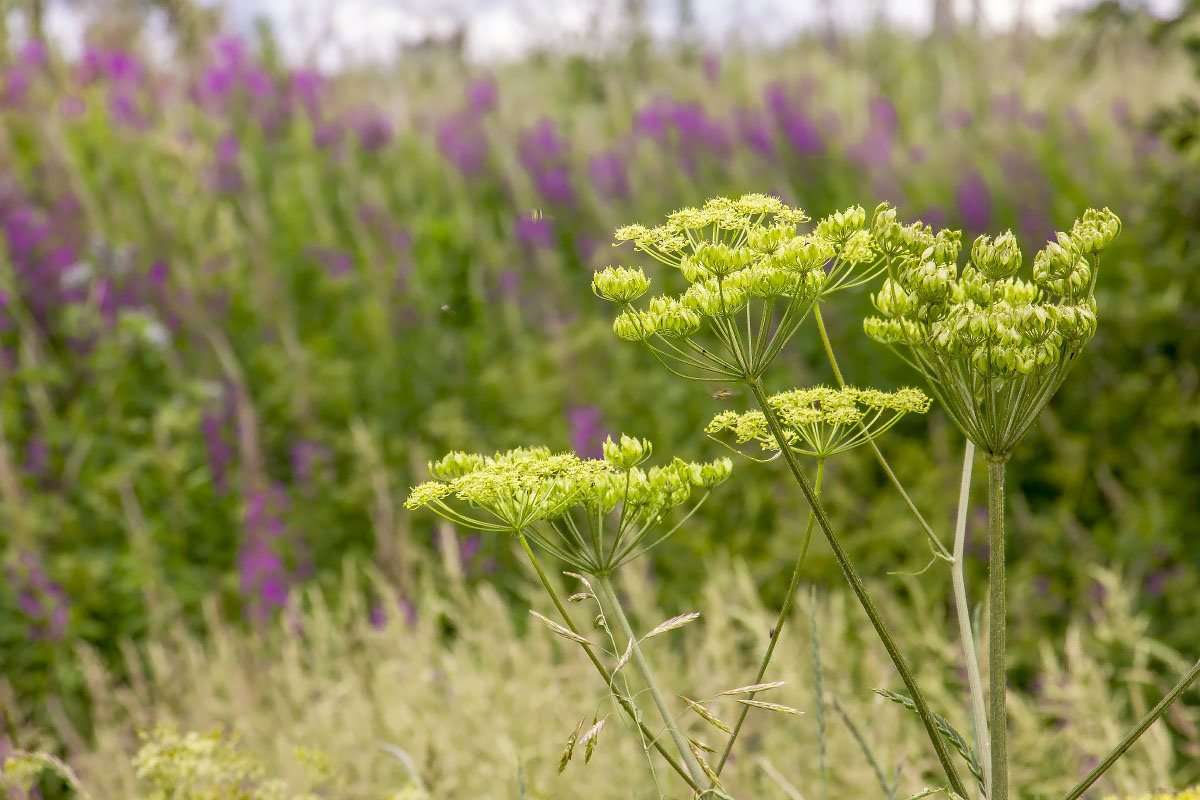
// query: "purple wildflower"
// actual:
[[305, 86], [974, 202], [220, 454], [482, 95], [509, 284], [587, 436], [957, 118], [37, 457], [462, 139], [554, 184], [755, 130], [532, 232], [799, 129], [264, 577], [607, 171], [307, 459], [33, 54], [373, 129], [39, 598]]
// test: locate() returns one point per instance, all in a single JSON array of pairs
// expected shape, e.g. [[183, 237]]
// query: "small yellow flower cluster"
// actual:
[[520, 487], [821, 421], [733, 252]]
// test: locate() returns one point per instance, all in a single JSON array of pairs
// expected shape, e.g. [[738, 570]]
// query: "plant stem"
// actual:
[[604, 673], [963, 610], [883, 463], [784, 613], [699, 777], [997, 652], [860, 590], [1135, 734]]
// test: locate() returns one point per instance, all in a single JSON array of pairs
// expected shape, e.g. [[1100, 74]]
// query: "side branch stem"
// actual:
[[883, 463], [860, 590], [963, 610], [604, 673], [643, 666], [784, 613]]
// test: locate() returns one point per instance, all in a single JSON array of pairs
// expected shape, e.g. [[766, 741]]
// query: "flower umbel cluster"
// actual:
[[994, 347], [740, 258], [822, 422], [562, 502]]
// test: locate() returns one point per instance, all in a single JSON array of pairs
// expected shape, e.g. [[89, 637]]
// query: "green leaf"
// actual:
[[947, 731]]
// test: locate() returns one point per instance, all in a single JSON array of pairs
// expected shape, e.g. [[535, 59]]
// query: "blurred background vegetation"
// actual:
[[245, 296]]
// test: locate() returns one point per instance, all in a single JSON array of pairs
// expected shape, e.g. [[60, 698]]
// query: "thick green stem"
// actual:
[[1188, 678], [860, 590], [784, 612], [604, 673], [699, 778], [997, 621], [963, 610]]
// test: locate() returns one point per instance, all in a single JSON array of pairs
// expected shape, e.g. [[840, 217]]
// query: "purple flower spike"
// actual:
[[607, 171], [373, 129], [532, 232], [974, 202], [587, 434], [482, 95]]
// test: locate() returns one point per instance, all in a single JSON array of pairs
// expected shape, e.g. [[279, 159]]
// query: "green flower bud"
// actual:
[[930, 282], [884, 331], [675, 320], [712, 473], [945, 248], [628, 453], [882, 219], [693, 270], [634, 326], [455, 464], [892, 301], [772, 282], [998, 259], [1035, 322], [620, 284], [840, 226], [722, 260], [769, 240], [1096, 230]]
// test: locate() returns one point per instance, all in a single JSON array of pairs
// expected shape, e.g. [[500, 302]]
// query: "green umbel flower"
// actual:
[[822, 422], [993, 346], [749, 278], [563, 502]]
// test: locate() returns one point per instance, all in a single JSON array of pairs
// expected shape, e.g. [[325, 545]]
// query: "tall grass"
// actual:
[[475, 707]]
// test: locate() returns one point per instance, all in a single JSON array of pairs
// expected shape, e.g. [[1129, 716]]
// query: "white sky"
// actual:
[[332, 32]]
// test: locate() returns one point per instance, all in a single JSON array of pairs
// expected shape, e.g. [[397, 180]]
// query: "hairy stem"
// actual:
[[604, 673], [963, 610], [860, 590], [883, 463], [997, 621], [699, 778], [784, 612], [1188, 678]]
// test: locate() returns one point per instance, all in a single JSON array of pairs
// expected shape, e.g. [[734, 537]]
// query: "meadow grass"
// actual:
[[463, 702]]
